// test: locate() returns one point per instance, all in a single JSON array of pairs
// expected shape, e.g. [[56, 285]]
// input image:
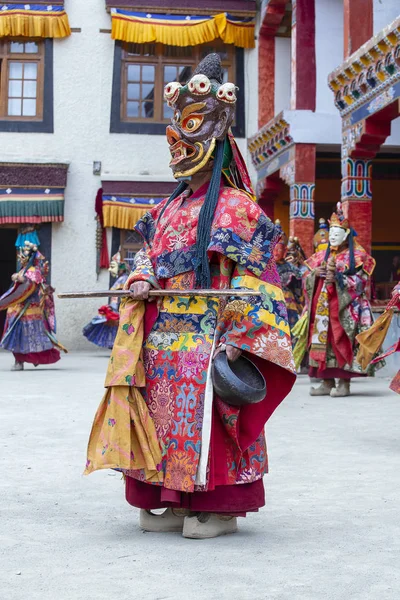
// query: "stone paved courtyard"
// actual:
[[330, 529]]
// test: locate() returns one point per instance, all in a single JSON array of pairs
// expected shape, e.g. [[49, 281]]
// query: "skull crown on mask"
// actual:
[[204, 111]]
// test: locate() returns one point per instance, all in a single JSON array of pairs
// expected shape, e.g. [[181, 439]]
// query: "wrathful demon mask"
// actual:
[[204, 110]]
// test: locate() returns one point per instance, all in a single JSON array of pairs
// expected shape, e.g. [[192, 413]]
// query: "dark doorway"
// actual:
[[8, 259]]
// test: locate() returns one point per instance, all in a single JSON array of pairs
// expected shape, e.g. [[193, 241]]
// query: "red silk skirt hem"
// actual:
[[235, 500], [333, 373], [47, 357]]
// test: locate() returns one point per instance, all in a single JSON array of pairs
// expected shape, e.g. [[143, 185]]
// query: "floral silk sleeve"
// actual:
[[142, 269], [257, 324], [350, 287]]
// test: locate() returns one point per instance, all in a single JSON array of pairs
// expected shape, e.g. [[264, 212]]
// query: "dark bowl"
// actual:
[[239, 382]]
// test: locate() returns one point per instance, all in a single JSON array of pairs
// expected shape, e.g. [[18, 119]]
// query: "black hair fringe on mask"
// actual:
[[340, 280], [201, 264], [352, 267], [177, 192]]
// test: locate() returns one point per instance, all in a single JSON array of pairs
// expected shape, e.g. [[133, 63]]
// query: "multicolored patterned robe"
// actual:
[[292, 286], [102, 329], [204, 442], [338, 312], [380, 329], [29, 330]]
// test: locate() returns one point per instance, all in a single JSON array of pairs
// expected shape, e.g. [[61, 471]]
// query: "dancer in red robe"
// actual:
[[30, 327], [188, 449], [338, 308]]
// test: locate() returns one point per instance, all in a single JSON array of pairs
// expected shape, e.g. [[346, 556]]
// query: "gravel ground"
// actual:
[[330, 529]]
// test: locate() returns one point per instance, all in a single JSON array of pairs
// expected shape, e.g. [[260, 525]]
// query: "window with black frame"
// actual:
[[26, 84], [141, 72], [22, 75]]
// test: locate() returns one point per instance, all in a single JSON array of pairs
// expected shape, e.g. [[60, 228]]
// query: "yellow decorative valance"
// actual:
[[181, 30], [124, 212], [33, 20]]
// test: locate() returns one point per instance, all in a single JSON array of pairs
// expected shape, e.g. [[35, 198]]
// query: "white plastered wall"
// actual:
[[251, 104], [328, 49], [83, 68], [324, 127], [385, 11], [283, 61]]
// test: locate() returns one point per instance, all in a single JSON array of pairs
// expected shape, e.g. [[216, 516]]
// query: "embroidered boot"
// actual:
[[17, 366], [208, 525], [324, 389], [168, 521], [342, 390]]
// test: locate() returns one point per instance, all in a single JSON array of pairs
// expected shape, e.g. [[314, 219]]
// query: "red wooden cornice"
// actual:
[[138, 188], [272, 17], [33, 175]]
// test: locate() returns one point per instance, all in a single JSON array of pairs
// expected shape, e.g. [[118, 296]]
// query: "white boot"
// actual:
[[342, 390], [324, 389], [166, 522], [17, 366], [208, 525]]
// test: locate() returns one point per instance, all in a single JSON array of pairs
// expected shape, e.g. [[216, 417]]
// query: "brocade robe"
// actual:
[[205, 442], [30, 322], [292, 286], [338, 311], [102, 329]]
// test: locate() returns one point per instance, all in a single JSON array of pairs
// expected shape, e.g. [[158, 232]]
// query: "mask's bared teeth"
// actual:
[[180, 152]]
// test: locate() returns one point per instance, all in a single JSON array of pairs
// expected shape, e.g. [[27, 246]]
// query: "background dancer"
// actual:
[[30, 327], [103, 328]]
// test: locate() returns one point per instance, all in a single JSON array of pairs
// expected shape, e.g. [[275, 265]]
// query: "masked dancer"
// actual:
[[338, 308], [296, 255], [29, 331], [103, 328], [199, 456], [321, 238], [291, 276]]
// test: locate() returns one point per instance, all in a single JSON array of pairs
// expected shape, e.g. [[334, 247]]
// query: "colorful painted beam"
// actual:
[[268, 143], [32, 192], [24, 205], [370, 78]]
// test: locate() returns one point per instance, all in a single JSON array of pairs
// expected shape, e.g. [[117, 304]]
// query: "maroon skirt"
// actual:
[[235, 500], [333, 373], [47, 357]]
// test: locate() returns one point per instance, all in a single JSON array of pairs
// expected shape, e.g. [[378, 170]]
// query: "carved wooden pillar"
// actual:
[[268, 195], [270, 22], [358, 24], [357, 197], [266, 79], [299, 174], [304, 76]]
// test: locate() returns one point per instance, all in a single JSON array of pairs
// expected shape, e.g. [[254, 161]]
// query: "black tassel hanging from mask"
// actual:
[[206, 216]]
